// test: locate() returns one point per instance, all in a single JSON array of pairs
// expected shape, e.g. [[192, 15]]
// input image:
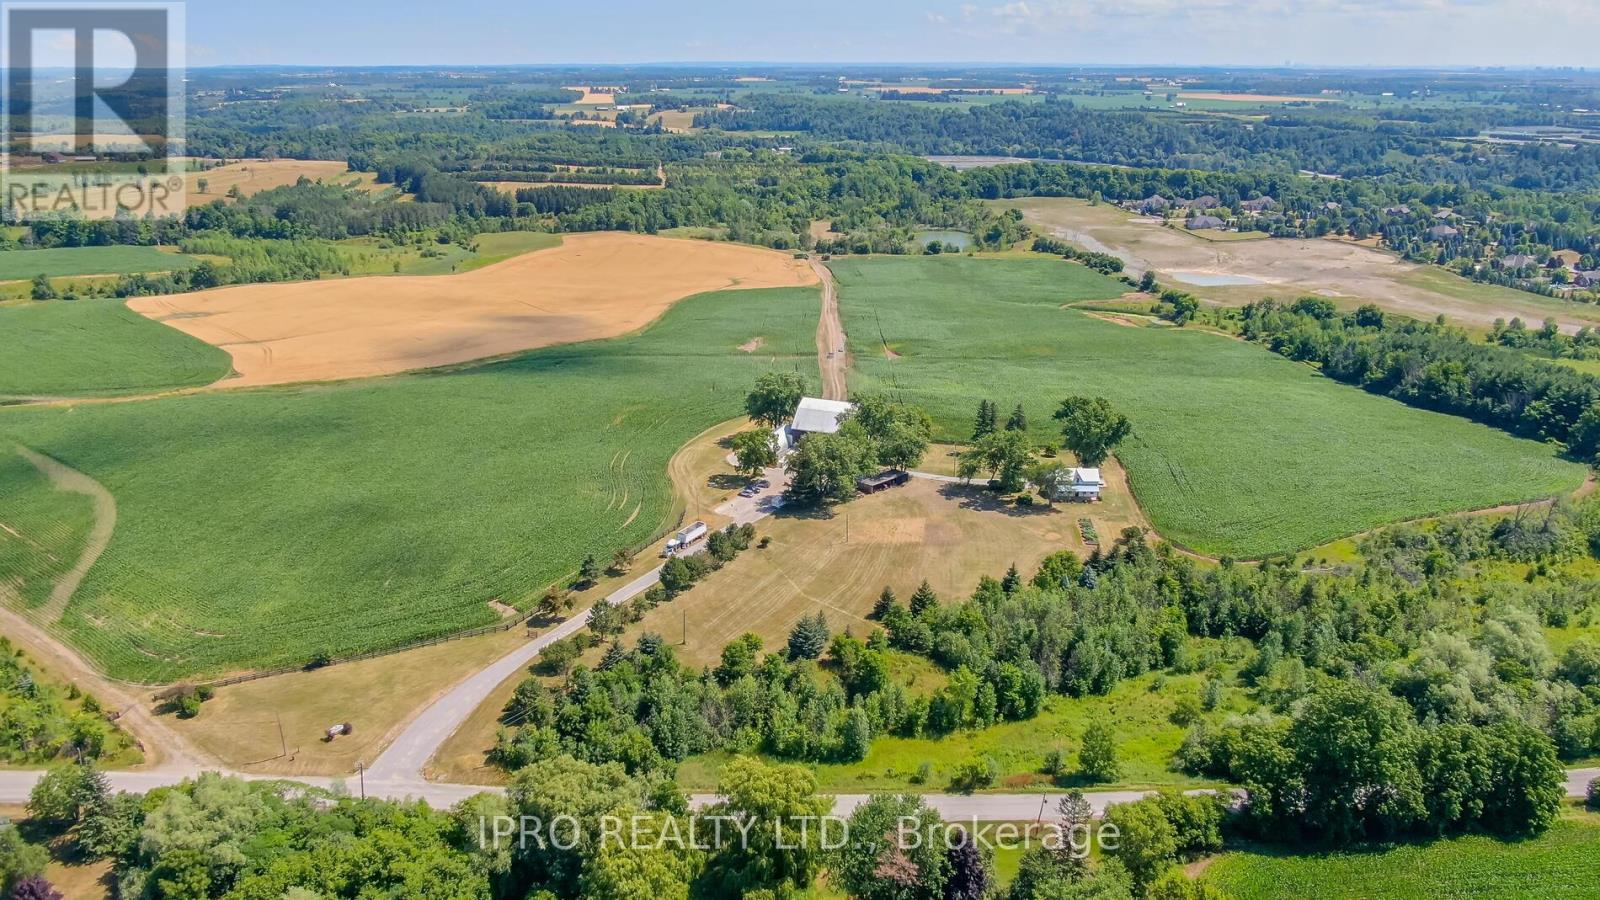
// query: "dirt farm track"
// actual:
[[592, 286]]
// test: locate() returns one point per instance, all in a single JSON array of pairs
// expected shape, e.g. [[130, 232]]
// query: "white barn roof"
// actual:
[[817, 416]]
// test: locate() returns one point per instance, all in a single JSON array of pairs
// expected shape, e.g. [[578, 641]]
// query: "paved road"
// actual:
[[15, 785], [401, 762], [942, 479]]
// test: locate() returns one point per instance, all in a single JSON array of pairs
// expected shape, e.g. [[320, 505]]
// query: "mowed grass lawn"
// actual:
[[98, 347], [63, 262], [1235, 451], [1559, 863], [256, 528]]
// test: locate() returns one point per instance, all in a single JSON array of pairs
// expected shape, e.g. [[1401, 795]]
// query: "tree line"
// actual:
[[1433, 366]]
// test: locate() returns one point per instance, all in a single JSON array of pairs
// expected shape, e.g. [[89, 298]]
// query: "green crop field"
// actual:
[[1560, 863], [42, 530], [97, 347], [256, 528], [1235, 450], [63, 262]]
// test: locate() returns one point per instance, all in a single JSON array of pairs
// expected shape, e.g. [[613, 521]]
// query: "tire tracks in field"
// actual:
[[66, 478], [162, 746]]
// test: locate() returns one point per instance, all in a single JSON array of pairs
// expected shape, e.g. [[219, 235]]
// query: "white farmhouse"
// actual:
[[813, 416], [1082, 485]]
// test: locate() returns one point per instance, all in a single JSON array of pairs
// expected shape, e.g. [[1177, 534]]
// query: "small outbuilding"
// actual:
[[873, 484]]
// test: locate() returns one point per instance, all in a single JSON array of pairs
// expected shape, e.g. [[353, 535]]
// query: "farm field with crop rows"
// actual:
[[1559, 863], [97, 347], [259, 527], [1235, 451], [42, 531]]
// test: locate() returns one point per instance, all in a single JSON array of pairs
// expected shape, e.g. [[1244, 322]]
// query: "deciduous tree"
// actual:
[[1091, 428], [773, 400]]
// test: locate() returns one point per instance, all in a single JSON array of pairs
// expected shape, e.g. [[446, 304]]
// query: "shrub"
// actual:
[[1593, 801], [1187, 710], [975, 774], [183, 699], [1055, 763], [924, 774], [1024, 499], [557, 658]]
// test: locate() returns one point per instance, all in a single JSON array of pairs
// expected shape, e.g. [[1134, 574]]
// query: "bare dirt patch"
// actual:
[[592, 286], [1114, 319], [1288, 268], [752, 345]]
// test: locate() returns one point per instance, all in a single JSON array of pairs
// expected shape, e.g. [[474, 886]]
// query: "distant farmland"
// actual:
[[98, 347], [64, 262], [1235, 451], [258, 527]]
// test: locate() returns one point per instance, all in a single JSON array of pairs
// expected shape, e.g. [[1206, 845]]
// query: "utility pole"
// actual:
[[361, 769], [283, 745], [685, 641]]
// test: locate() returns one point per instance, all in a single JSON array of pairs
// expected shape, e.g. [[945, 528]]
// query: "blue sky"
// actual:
[[1175, 32]]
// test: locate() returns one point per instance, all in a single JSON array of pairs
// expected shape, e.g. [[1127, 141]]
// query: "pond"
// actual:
[[959, 239], [1212, 279]]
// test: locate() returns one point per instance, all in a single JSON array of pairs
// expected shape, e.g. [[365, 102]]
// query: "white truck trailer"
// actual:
[[686, 538]]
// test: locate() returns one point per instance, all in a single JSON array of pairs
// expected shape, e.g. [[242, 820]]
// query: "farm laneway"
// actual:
[[404, 759], [831, 352]]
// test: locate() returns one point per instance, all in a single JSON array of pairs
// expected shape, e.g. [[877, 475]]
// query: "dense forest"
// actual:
[[1347, 146]]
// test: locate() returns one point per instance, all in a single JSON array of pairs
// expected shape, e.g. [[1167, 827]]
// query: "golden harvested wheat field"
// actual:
[[252, 176], [592, 286]]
